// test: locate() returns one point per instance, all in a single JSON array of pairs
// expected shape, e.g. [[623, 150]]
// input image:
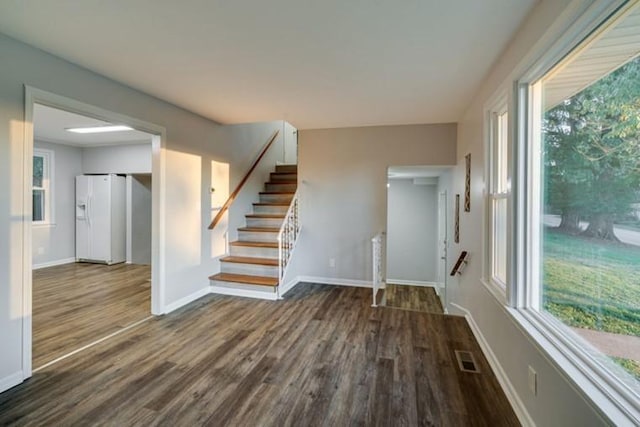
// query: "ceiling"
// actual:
[[322, 64], [49, 125]]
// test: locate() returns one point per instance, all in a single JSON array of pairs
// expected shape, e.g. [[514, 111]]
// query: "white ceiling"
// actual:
[[329, 63], [49, 125]]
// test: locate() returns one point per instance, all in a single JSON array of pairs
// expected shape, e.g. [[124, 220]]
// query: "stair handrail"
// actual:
[[377, 247], [288, 236], [235, 193]]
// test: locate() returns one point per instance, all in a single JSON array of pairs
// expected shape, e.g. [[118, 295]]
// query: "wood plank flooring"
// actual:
[[321, 356], [417, 298], [77, 304]]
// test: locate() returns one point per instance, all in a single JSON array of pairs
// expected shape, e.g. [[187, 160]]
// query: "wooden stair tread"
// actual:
[[260, 229], [265, 216], [273, 245], [278, 192], [243, 278], [271, 262], [283, 182], [271, 204]]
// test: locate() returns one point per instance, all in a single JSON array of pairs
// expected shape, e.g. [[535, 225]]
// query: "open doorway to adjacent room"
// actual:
[[417, 238], [91, 231]]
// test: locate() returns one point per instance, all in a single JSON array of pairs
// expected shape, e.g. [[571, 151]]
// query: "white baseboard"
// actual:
[[336, 281], [11, 381], [288, 286], [186, 300], [53, 263], [513, 397], [221, 290], [412, 283]]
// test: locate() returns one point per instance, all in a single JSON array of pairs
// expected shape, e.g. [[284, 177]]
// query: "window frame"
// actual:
[[48, 185], [610, 396], [496, 108]]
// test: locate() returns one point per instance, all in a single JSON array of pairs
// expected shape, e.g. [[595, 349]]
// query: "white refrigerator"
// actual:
[[100, 218]]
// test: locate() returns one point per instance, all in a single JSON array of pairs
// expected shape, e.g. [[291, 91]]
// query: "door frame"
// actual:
[[158, 178]]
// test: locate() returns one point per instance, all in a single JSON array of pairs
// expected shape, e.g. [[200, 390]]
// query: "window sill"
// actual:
[[607, 395], [43, 224]]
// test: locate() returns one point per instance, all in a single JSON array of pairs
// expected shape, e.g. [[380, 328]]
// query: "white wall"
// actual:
[[56, 242], [290, 144], [557, 402], [118, 159], [191, 145], [412, 231], [141, 219], [342, 176]]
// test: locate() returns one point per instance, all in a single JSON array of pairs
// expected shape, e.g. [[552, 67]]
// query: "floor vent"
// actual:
[[466, 361]]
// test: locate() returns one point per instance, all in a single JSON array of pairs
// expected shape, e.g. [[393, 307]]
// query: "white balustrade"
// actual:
[[287, 237], [377, 243]]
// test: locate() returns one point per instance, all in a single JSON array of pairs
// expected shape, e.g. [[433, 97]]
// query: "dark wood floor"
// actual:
[[321, 356], [77, 304], [417, 298]]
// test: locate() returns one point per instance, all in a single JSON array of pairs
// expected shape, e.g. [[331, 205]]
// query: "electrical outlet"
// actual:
[[332, 262], [533, 381]]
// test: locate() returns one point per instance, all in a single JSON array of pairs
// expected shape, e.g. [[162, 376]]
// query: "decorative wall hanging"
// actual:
[[467, 183], [456, 229]]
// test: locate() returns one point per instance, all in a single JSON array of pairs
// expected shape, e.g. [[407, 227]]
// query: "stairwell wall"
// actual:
[[342, 176]]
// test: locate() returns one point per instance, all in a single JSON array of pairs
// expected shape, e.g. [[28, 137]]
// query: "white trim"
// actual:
[[413, 283], [337, 281], [221, 290], [283, 289], [186, 300], [129, 218], [53, 263], [513, 397], [11, 381], [158, 257]]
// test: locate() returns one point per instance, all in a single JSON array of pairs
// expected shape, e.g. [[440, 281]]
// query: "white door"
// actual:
[[442, 246], [82, 217], [100, 218]]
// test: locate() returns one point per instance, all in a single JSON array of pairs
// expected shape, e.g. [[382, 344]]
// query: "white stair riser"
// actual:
[[273, 186], [243, 286], [248, 269], [264, 222], [253, 251], [284, 177], [287, 168], [255, 236], [276, 198], [274, 210]]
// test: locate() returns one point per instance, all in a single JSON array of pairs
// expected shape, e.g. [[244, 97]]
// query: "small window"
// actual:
[[499, 192], [42, 185]]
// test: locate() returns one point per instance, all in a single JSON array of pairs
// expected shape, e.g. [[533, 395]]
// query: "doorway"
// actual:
[[417, 241], [76, 305]]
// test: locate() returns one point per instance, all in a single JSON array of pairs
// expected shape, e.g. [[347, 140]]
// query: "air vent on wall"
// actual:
[[466, 361]]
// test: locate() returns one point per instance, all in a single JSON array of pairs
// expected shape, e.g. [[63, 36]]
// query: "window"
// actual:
[[581, 190], [42, 186], [498, 197]]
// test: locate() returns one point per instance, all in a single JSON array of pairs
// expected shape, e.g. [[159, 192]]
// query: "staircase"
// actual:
[[253, 260]]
